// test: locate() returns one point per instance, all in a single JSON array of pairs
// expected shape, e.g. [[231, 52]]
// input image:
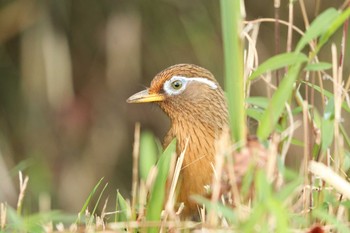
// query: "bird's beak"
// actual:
[[145, 97]]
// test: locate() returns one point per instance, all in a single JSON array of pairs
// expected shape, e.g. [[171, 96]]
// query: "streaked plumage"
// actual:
[[198, 112]]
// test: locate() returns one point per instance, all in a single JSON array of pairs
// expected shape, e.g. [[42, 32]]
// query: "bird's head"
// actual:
[[185, 91]]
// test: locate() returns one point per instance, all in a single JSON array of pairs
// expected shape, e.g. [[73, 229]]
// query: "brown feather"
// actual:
[[199, 114]]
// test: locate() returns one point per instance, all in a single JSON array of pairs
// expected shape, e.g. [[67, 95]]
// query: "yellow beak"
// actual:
[[145, 97]]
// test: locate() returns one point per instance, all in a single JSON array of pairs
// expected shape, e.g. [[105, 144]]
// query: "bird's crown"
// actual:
[[174, 79]]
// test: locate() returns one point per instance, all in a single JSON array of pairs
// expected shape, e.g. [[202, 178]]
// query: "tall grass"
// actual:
[[231, 18], [312, 198]]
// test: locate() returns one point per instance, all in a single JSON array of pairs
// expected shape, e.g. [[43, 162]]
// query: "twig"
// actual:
[[3, 215], [337, 105], [22, 189], [290, 31], [135, 168], [307, 181], [277, 4], [171, 197], [303, 11], [332, 178]]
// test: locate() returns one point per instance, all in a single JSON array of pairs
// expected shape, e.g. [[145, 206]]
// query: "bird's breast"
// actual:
[[199, 158]]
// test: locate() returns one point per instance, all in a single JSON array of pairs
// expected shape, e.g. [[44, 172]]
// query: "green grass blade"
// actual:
[[86, 204], [148, 154], [255, 113], [327, 94], [336, 23], [33, 222], [280, 213], [327, 125], [289, 188], [262, 186], [122, 209], [157, 195], [317, 27], [318, 66], [256, 215], [277, 103], [277, 62], [234, 68], [98, 199], [258, 101]]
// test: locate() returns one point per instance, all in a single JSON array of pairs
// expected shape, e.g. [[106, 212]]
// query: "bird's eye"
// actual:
[[176, 85]]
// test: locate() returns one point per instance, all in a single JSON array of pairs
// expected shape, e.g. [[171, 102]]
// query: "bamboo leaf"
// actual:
[[259, 101], [277, 103], [318, 66], [317, 27], [327, 94], [254, 113], [336, 23], [277, 62]]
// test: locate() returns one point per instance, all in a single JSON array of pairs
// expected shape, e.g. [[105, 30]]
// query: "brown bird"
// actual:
[[196, 105]]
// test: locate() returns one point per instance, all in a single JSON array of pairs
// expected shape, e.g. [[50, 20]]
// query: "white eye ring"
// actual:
[[177, 84]]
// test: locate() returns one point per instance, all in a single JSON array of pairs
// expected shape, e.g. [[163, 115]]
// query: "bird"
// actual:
[[197, 107]]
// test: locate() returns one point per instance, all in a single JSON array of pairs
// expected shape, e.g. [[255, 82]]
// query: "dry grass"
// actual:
[[269, 198]]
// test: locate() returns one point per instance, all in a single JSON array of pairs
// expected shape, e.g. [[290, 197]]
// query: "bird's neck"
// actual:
[[201, 134], [200, 123]]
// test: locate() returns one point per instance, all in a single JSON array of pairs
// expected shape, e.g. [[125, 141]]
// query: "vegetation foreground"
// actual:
[[313, 197]]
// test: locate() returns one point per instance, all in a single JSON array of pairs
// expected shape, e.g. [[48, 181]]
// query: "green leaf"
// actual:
[[346, 204], [277, 103], [336, 23], [261, 102], [317, 27], [157, 195], [277, 62], [327, 94], [279, 211], [122, 208], [254, 113], [327, 126], [86, 204], [231, 19], [315, 150], [148, 154], [262, 186], [288, 189], [318, 66], [98, 200], [297, 142], [257, 214]]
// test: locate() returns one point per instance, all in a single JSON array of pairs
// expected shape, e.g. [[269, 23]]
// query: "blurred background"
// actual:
[[67, 67]]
